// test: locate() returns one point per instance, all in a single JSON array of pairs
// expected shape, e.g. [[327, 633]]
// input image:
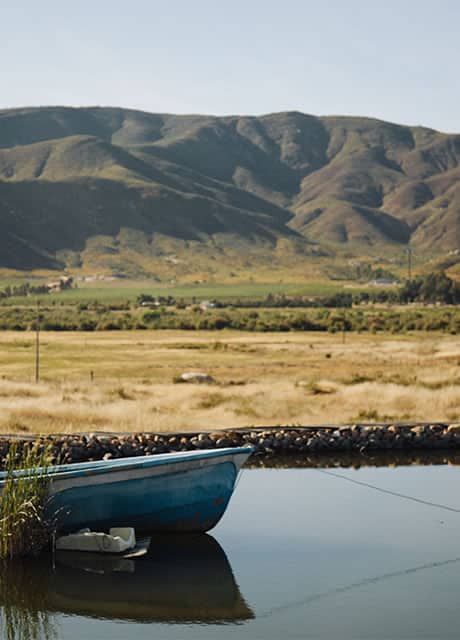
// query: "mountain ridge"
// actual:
[[249, 182]]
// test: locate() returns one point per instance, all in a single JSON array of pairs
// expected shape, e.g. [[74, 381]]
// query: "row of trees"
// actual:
[[432, 288], [360, 319], [27, 289]]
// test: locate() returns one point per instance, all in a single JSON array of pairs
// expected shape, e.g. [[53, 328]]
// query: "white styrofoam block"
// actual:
[[119, 539]]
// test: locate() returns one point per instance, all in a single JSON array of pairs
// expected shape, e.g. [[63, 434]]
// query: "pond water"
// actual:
[[331, 553]]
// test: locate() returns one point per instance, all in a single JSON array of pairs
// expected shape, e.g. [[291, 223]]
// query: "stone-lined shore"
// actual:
[[267, 442]]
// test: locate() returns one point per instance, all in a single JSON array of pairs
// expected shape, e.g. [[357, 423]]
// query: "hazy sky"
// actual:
[[394, 59]]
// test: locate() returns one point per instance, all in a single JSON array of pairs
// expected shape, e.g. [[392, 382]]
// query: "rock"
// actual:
[[223, 442], [205, 444], [419, 431], [77, 451], [127, 449], [394, 429], [197, 377], [216, 435], [267, 441], [312, 443]]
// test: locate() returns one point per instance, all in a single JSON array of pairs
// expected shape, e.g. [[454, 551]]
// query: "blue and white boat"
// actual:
[[185, 491]]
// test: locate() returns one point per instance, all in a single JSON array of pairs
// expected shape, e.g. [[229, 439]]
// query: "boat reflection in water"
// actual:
[[183, 578]]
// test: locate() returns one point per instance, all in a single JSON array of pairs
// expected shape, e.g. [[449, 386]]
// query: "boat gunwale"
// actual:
[[98, 467]]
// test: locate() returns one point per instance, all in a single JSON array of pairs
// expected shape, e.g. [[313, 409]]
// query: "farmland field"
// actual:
[[127, 291], [125, 380]]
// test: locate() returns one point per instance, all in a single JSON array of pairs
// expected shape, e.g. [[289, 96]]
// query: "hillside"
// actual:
[[122, 190]]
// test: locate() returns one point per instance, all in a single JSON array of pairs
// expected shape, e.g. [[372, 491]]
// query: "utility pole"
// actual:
[[37, 344], [409, 263]]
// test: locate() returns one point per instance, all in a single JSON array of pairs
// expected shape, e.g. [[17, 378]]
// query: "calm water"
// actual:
[[300, 553]]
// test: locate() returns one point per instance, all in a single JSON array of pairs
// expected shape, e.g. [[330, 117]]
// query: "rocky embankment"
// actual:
[[269, 442]]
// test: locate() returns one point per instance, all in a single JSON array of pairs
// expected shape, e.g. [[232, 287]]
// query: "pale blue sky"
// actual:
[[398, 60]]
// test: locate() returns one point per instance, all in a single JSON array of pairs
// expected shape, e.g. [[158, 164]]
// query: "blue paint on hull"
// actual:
[[193, 501]]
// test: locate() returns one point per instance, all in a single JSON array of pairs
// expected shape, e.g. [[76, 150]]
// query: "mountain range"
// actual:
[[120, 189]]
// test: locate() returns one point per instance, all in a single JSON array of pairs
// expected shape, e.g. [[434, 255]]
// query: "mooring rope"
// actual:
[[391, 493], [238, 478], [356, 585], [374, 579]]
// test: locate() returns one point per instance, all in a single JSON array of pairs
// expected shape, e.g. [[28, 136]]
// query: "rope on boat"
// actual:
[[238, 478]]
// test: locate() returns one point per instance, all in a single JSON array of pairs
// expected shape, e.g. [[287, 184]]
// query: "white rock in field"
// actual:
[[198, 377]]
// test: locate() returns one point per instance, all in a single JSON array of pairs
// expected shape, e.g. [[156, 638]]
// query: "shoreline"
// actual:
[[270, 443]]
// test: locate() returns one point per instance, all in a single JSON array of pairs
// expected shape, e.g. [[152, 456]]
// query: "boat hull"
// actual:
[[180, 493]]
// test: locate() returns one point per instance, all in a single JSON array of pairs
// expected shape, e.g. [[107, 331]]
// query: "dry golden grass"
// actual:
[[261, 379]]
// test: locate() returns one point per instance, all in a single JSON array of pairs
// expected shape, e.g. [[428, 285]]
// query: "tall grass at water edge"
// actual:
[[23, 494], [24, 613]]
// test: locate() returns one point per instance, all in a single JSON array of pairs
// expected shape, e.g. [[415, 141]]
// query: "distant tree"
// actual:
[[433, 287], [66, 283]]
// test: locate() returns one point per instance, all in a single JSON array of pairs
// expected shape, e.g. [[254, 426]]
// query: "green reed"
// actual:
[[23, 494]]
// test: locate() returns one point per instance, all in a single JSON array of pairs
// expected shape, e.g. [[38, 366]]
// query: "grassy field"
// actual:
[[127, 291], [261, 379]]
